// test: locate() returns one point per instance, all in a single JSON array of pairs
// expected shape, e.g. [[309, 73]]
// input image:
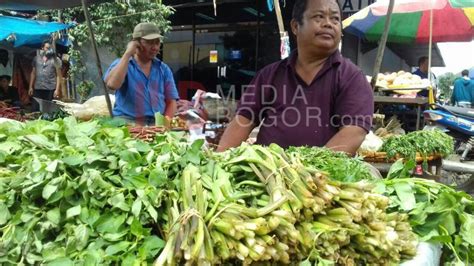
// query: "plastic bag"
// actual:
[[95, 106], [427, 254], [371, 143], [211, 106]]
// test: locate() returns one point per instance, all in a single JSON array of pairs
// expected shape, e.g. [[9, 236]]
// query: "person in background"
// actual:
[[422, 72], [45, 79], [315, 97], [463, 91], [8, 94], [143, 84]]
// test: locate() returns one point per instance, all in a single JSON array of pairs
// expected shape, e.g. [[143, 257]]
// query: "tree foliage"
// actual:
[[445, 83]]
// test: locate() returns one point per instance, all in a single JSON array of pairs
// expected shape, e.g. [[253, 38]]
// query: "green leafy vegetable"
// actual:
[[425, 142], [83, 192], [437, 213], [338, 165]]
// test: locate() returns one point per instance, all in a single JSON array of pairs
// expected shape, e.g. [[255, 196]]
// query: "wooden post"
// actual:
[[383, 41], [276, 3], [94, 45], [430, 44]]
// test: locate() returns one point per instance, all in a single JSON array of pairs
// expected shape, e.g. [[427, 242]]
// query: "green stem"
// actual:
[[271, 207]]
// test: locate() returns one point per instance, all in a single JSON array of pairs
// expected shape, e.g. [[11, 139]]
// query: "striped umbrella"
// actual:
[[453, 21]]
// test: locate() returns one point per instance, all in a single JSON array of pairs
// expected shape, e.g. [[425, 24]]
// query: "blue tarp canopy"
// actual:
[[42, 4], [27, 31]]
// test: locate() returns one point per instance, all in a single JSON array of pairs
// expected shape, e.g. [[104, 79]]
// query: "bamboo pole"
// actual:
[[94, 46], [430, 44], [383, 41], [276, 3], [281, 27]]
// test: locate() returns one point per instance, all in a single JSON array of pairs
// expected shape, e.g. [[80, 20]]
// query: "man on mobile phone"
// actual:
[[143, 84]]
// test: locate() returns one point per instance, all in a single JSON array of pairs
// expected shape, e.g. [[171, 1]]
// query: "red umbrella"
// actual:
[[453, 21], [415, 21]]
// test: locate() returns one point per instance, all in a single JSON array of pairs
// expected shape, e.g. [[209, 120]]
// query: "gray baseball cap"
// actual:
[[147, 31]]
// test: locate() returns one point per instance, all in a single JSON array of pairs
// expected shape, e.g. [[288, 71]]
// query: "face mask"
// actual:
[[49, 52]]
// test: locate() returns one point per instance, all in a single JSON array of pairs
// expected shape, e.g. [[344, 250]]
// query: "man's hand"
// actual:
[[30, 92], [170, 108], [116, 76], [348, 139], [132, 48], [237, 132], [57, 93]]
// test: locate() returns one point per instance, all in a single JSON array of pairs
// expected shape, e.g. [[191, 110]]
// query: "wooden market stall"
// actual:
[[409, 23]]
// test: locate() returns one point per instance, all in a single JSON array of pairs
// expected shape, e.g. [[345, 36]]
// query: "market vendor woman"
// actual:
[[143, 84], [315, 97], [8, 94]]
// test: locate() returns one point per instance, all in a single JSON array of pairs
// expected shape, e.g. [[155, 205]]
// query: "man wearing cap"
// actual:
[[143, 84]]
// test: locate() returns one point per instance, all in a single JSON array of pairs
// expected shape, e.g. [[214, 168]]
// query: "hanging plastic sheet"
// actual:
[[26, 31], [270, 5], [4, 34]]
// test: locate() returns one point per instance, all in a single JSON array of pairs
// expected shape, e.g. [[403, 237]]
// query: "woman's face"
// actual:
[[4, 83], [46, 47]]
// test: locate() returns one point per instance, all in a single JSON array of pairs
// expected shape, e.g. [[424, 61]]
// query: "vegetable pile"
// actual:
[[145, 133], [425, 142], [78, 192], [438, 213], [256, 204], [15, 113], [61, 113], [338, 165], [89, 193]]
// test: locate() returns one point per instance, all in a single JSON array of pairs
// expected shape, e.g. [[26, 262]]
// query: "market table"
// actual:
[[418, 102]]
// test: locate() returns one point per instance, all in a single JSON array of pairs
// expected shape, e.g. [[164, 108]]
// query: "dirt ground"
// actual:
[[457, 178]]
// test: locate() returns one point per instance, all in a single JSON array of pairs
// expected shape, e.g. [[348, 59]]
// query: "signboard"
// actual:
[[284, 45], [213, 56], [235, 54], [350, 7]]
